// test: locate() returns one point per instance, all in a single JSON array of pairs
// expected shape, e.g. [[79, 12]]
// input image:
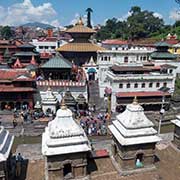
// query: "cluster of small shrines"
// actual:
[[67, 150]]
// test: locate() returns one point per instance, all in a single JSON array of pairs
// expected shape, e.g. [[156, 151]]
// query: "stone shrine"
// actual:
[[6, 141], [49, 102], [134, 138], [177, 131], [65, 147]]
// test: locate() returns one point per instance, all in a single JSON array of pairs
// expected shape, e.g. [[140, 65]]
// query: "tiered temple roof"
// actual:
[[64, 135], [81, 35], [133, 127]]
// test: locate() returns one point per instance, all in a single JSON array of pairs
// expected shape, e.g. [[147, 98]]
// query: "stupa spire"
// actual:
[[80, 21], [63, 104], [135, 100]]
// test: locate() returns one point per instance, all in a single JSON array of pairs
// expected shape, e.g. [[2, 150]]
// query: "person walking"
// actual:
[[19, 160]]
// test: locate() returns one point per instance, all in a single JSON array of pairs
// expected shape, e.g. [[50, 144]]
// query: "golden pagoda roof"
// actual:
[[80, 28], [80, 47]]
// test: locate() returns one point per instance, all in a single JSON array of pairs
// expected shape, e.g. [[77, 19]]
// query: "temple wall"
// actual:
[[126, 155], [177, 136], [55, 165]]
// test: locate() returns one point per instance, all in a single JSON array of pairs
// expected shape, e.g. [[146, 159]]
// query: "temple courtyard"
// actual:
[[167, 165]]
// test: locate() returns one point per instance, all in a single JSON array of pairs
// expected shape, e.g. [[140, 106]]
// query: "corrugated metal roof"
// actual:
[[163, 55], [57, 62]]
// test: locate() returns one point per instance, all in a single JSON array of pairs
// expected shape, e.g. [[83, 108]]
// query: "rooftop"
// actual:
[[133, 127], [80, 47], [80, 28], [142, 94], [64, 135], [57, 62]]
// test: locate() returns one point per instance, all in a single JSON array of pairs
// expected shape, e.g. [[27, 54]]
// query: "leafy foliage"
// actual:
[[140, 24], [6, 32]]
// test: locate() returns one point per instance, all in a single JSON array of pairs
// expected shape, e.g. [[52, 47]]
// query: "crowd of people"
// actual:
[[95, 124]]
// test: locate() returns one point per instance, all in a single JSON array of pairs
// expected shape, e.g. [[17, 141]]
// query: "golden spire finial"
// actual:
[[135, 101], [63, 104], [80, 21], [49, 88]]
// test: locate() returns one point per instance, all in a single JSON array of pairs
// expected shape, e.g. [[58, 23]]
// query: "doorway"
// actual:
[[67, 170]]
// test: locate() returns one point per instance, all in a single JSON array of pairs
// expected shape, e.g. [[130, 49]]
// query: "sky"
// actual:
[[65, 12]]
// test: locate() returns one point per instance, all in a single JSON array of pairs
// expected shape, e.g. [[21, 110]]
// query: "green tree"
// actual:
[[89, 11], [141, 24], [6, 33]]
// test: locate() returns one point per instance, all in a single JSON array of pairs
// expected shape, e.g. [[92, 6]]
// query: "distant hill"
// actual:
[[38, 24]]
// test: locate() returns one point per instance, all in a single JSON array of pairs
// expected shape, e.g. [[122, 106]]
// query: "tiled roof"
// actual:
[[24, 53], [16, 89], [172, 41], [26, 45], [12, 74], [80, 29], [168, 66], [129, 68], [57, 62], [142, 94], [114, 42], [81, 47]]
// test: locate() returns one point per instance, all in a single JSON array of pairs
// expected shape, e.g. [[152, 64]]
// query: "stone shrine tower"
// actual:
[[134, 138], [176, 122], [49, 102], [65, 147]]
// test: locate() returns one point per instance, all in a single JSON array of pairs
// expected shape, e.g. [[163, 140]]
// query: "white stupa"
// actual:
[[64, 135], [49, 101], [133, 127]]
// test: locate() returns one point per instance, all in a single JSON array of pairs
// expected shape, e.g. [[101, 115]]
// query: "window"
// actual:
[[150, 84], [105, 58], [109, 58], [136, 85], [53, 47], [125, 59], [40, 47], [46, 47], [157, 84], [170, 71], [144, 58], [143, 85], [128, 85], [165, 84], [121, 85]]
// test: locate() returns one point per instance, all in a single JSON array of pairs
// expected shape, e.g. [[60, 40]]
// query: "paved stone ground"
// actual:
[[30, 151]]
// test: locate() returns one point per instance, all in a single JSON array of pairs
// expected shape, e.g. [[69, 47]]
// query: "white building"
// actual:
[[47, 45], [65, 146], [134, 138], [141, 81], [106, 59]]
